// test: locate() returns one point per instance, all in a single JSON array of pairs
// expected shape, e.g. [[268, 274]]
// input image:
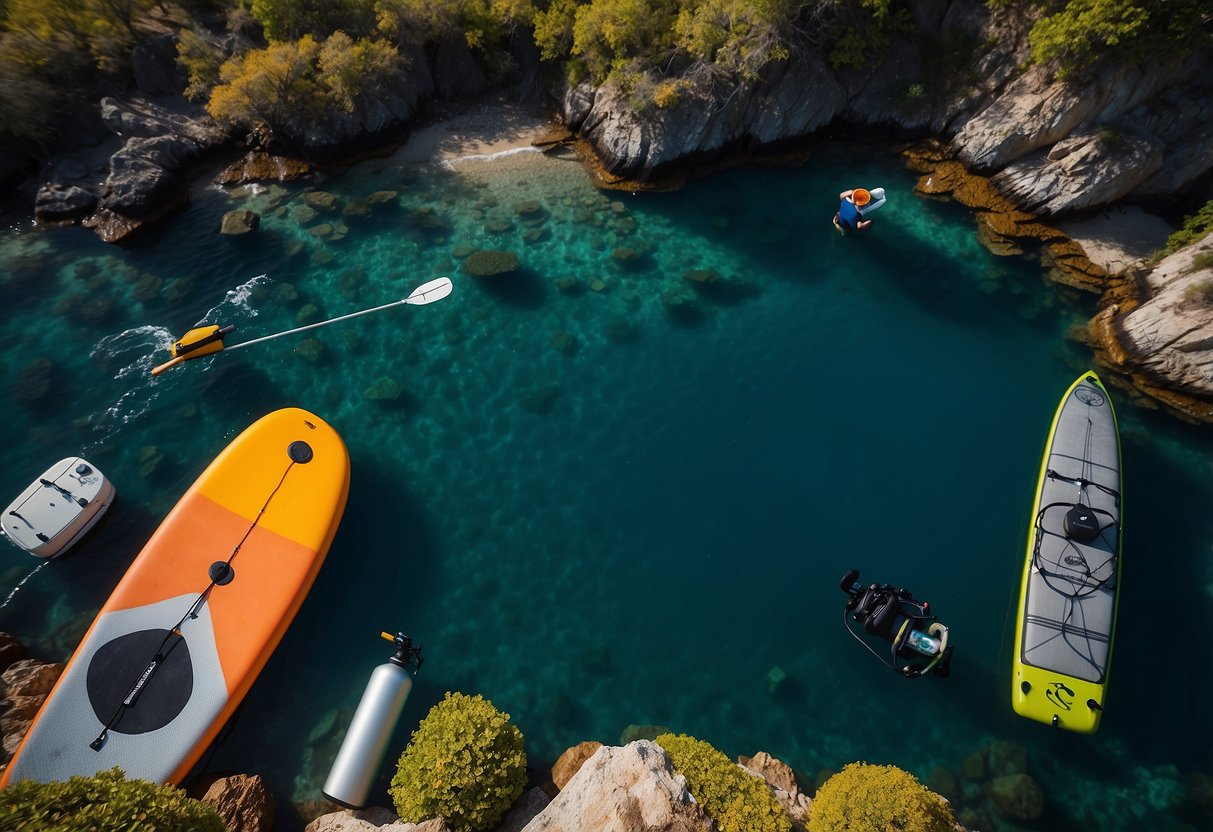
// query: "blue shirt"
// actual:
[[848, 214]]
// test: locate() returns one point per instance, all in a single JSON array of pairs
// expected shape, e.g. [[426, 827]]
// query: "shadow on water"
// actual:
[[523, 289]]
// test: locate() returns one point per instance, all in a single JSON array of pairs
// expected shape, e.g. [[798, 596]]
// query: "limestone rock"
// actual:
[[1169, 337], [239, 222], [372, 819], [1017, 796], [1084, 170], [60, 203], [628, 789], [571, 761], [243, 801], [487, 263]]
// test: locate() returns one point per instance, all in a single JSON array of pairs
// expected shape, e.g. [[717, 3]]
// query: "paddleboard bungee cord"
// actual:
[[220, 573], [1084, 516]]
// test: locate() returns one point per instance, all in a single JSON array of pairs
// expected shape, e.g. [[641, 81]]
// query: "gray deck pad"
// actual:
[[1070, 600], [172, 711]]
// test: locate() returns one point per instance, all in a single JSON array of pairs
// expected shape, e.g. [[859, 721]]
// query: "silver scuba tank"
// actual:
[[360, 758]]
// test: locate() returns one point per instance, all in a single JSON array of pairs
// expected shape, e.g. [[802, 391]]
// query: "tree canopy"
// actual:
[[1080, 32]]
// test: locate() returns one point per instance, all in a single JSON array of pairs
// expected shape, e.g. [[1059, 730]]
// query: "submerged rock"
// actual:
[[34, 381], [320, 200], [1017, 796], [259, 166], [487, 263], [539, 400], [384, 390], [239, 222]]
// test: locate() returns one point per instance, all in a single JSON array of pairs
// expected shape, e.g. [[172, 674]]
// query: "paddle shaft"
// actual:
[[316, 325]]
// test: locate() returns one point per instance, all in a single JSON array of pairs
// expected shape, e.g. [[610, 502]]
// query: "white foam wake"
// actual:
[[239, 297], [488, 157], [135, 350]]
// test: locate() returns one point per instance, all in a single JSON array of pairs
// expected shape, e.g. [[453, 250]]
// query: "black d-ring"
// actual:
[[221, 573], [300, 452]]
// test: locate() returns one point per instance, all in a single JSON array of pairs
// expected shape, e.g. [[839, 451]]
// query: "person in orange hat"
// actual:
[[848, 217]]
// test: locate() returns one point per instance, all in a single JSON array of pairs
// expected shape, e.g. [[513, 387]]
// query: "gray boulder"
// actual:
[[59, 203]]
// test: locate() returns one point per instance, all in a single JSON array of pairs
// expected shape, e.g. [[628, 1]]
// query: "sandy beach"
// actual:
[[478, 131]]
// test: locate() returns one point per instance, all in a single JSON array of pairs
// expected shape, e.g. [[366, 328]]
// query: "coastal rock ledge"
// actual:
[[1052, 146], [1161, 335]]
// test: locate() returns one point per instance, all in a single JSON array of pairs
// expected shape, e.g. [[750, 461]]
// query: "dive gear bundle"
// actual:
[[892, 614]]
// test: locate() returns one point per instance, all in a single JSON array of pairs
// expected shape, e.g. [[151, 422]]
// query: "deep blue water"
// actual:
[[627, 502]]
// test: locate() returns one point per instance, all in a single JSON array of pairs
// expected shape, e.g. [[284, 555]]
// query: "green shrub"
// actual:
[[1202, 261], [1082, 32], [465, 762], [105, 802], [867, 798], [737, 801], [1200, 294], [1195, 227]]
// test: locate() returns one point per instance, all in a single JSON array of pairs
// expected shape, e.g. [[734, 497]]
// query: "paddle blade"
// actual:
[[430, 292]]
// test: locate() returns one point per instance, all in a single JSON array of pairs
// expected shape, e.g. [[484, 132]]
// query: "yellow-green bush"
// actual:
[[465, 762], [105, 802], [868, 798], [737, 801]]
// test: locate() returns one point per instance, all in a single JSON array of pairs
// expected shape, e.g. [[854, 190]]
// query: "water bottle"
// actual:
[[923, 643], [361, 755]]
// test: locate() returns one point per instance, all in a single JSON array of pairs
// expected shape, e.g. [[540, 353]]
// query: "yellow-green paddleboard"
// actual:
[[1071, 577]]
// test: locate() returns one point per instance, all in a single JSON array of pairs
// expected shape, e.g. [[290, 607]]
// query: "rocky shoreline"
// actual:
[[634, 787]]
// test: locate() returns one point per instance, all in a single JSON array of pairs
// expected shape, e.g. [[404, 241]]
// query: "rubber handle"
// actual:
[[167, 365]]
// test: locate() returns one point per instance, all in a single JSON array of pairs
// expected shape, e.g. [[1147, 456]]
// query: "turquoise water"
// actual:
[[629, 499]]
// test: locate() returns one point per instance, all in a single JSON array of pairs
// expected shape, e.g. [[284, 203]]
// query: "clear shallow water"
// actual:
[[627, 502]]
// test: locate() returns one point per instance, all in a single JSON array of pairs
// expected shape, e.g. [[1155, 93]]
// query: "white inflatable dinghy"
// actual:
[[58, 508]]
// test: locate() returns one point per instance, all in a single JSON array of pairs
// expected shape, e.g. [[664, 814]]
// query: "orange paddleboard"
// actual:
[[194, 620]]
